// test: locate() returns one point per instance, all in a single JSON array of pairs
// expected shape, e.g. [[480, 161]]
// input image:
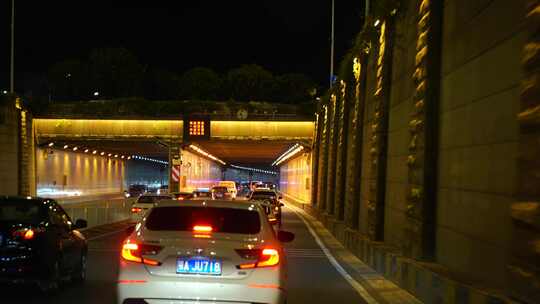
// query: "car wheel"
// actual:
[[80, 275], [52, 284]]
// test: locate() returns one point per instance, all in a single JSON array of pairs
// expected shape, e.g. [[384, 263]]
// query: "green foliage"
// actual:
[[294, 88], [200, 83], [250, 82]]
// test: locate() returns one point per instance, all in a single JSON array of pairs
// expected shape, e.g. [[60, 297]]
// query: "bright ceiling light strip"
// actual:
[[254, 169], [288, 154], [204, 153]]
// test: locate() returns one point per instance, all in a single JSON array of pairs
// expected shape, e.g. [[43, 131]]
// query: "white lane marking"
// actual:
[[357, 287], [105, 234]]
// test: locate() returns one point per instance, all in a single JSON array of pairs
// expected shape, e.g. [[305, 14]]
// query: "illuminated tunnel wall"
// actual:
[[198, 172], [295, 178], [64, 173]]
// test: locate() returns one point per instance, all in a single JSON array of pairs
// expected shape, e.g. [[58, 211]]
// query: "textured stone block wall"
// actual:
[[9, 149]]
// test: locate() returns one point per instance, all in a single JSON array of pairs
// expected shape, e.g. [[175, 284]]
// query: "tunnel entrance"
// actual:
[[78, 157]]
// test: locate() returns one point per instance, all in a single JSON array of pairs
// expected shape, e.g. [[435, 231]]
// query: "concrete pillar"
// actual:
[[332, 142], [422, 163], [27, 168], [342, 124], [354, 145], [523, 269], [9, 147], [323, 160], [315, 159], [378, 142], [175, 167]]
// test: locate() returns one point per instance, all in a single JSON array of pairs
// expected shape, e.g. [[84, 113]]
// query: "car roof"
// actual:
[[205, 203], [23, 198], [263, 190]]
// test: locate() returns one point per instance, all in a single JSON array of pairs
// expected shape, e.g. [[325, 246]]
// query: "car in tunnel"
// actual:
[[220, 193], [39, 244], [144, 203], [182, 195], [204, 251], [270, 201]]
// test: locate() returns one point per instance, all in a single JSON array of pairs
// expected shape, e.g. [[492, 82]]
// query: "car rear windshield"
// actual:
[[264, 193], [152, 199], [226, 220], [220, 189], [23, 212]]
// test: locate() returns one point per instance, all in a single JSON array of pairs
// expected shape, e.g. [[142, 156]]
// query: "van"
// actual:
[[231, 187]]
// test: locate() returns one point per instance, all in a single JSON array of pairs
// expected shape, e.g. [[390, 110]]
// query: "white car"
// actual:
[[144, 203], [231, 187], [203, 252]]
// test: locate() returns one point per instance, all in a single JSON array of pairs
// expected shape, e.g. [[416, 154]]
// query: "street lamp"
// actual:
[[96, 93]]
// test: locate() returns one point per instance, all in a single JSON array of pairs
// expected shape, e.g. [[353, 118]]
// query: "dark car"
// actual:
[[39, 244], [182, 195], [202, 193], [136, 190], [271, 202], [220, 192]]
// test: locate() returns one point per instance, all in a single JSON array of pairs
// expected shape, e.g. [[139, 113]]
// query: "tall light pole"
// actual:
[[12, 63], [332, 49]]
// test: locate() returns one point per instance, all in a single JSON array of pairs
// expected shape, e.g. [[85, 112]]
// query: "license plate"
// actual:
[[198, 265]]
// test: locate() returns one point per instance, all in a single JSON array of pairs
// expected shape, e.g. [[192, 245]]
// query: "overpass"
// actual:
[[61, 150]]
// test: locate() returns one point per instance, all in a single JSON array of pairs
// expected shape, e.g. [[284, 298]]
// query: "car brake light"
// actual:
[[181, 198], [266, 257], [202, 229], [26, 234], [136, 210], [134, 253]]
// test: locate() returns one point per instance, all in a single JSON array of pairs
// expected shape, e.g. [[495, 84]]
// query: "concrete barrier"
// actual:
[[99, 212]]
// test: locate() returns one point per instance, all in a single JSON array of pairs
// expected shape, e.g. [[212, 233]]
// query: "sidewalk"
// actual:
[[378, 288]]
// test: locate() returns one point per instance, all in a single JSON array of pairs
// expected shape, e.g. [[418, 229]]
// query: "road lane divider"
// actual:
[[362, 292]]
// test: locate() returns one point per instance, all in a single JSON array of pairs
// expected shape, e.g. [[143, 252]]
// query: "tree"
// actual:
[[161, 84], [294, 88], [250, 82], [68, 80], [200, 84], [115, 72]]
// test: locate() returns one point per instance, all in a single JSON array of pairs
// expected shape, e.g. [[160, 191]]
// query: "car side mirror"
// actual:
[[130, 229], [285, 236], [80, 224]]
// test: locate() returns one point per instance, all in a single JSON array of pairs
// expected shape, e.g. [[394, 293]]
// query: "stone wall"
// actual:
[[9, 149], [457, 183]]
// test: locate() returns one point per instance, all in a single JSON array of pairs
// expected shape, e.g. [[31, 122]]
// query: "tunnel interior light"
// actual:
[[75, 148], [102, 153], [116, 155], [288, 154], [86, 150], [129, 157], [122, 157], [66, 146], [253, 169], [94, 152], [159, 161], [206, 154], [109, 155], [51, 144]]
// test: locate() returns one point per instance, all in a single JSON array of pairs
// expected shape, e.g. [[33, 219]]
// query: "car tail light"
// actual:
[[266, 257], [134, 252], [136, 210], [25, 234], [202, 229], [181, 198]]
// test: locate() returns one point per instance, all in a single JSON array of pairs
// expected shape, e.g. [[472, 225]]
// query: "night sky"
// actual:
[[282, 36]]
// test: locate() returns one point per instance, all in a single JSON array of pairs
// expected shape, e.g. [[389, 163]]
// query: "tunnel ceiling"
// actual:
[[246, 152], [142, 148], [238, 152]]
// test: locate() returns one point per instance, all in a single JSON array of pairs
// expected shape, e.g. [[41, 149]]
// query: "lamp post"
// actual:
[[332, 49], [12, 61]]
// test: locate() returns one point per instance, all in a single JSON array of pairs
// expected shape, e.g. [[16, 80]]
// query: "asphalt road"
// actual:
[[312, 278]]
